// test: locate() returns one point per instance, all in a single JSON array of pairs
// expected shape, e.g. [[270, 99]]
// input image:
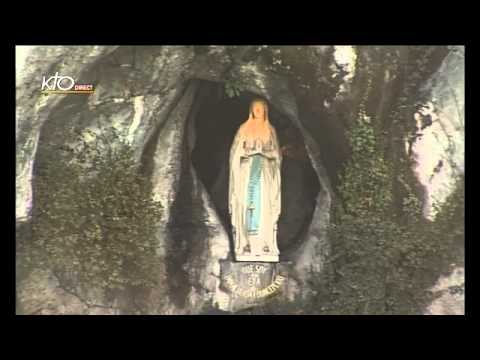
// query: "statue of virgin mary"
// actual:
[[255, 187]]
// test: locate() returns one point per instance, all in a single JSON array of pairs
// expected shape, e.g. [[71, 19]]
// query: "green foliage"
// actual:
[[380, 265], [94, 217], [450, 222], [233, 88], [365, 183]]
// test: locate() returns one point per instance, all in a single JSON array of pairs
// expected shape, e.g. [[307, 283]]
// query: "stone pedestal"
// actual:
[[251, 284]]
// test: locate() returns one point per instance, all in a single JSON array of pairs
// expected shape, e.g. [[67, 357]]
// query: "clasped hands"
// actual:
[[267, 154]]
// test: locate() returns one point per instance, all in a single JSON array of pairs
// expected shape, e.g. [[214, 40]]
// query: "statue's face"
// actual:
[[258, 110]]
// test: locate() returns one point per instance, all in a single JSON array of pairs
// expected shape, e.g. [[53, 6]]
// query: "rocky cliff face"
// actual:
[[168, 103], [440, 154]]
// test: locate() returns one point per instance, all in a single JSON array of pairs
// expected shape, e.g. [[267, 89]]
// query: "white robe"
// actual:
[[263, 246]]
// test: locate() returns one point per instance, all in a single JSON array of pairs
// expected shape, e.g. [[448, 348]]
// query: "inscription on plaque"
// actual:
[[252, 283]]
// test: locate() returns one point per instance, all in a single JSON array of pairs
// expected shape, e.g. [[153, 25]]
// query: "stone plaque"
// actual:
[[250, 284]]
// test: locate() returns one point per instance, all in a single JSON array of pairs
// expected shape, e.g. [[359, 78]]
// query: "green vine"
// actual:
[[233, 88], [94, 218]]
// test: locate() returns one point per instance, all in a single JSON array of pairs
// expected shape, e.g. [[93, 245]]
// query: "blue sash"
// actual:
[[254, 195]]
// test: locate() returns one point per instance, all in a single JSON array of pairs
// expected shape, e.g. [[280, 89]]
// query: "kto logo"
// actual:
[[64, 85]]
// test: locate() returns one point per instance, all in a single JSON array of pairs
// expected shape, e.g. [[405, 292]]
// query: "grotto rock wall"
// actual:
[[439, 150], [148, 94]]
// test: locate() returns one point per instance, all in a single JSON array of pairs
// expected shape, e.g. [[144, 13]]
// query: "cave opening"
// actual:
[[214, 124]]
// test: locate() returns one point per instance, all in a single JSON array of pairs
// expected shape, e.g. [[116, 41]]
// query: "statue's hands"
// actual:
[[271, 155]]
